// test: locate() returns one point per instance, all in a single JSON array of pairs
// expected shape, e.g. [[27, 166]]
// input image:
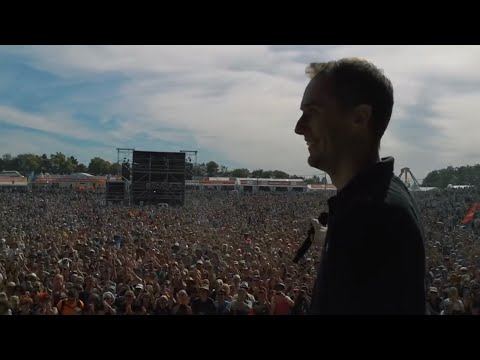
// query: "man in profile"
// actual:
[[373, 256]]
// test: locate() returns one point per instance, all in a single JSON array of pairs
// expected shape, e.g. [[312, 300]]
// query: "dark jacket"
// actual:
[[373, 261]]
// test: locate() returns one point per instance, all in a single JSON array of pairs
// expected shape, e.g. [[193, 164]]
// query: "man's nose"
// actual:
[[300, 127]]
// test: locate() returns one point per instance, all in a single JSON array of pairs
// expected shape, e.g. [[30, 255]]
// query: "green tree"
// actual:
[[45, 164], [240, 173], [212, 168], [257, 173], [60, 164], [315, 179], [277, 174], [115, 169], [7, 162], [296, 177], [199, 170], [98, 166], [223, 171], [463, 175], [267, 174], [28, 162], [81, 168]]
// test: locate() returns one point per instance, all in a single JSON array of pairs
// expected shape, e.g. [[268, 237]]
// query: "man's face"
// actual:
[[203, 294], [58, 282], [323, 124]]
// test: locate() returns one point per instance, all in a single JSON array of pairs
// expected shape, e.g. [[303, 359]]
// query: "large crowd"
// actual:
[[224, 253]]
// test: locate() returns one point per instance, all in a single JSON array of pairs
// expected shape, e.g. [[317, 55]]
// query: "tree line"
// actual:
[[60, 163], [57, 163], [463, 175], [212, 169]]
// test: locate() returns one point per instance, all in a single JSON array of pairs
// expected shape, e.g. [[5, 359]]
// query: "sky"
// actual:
[[236, 105]]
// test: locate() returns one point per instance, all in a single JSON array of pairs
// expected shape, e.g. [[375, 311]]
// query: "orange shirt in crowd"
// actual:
[[68, 307]]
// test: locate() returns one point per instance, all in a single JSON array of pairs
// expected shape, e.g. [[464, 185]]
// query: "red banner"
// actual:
[[217, 182], [81, 180], [471, 213]]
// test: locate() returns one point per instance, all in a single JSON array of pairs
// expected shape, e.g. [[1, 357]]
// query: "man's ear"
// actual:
[[362, 115]]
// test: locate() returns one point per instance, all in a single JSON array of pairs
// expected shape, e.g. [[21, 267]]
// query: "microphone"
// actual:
[[323, 220]]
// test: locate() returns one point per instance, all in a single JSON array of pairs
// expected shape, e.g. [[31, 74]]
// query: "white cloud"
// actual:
[[458, 117], [242, 101], [55, 123], [15, 141]]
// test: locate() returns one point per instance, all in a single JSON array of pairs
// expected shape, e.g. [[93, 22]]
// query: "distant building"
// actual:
[[321, 187], [79, 181], [12, 180], [247, 184], [450, 186]]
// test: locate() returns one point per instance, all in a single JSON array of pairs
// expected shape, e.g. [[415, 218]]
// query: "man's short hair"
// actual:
[[356, 81]]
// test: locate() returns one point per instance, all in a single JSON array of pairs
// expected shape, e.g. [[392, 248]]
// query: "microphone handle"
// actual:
[[307, 243], [305, 246]]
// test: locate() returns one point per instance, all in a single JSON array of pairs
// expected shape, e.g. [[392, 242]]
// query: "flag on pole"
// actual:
[[471, 213]]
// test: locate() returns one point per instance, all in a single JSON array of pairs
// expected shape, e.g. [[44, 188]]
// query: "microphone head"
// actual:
[[323, 219]]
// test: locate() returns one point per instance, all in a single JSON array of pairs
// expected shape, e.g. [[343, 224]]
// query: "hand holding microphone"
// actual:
[[316, 234], [319, 232]]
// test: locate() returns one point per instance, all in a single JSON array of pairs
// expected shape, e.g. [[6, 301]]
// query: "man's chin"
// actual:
[[312, 161], [315, 163]]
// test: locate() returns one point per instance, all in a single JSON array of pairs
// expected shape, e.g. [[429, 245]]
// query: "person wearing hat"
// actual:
[[128, 304], [250, 297], [138, 290], [203, 305], [217, 284], [433, 302], [107, 304]]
